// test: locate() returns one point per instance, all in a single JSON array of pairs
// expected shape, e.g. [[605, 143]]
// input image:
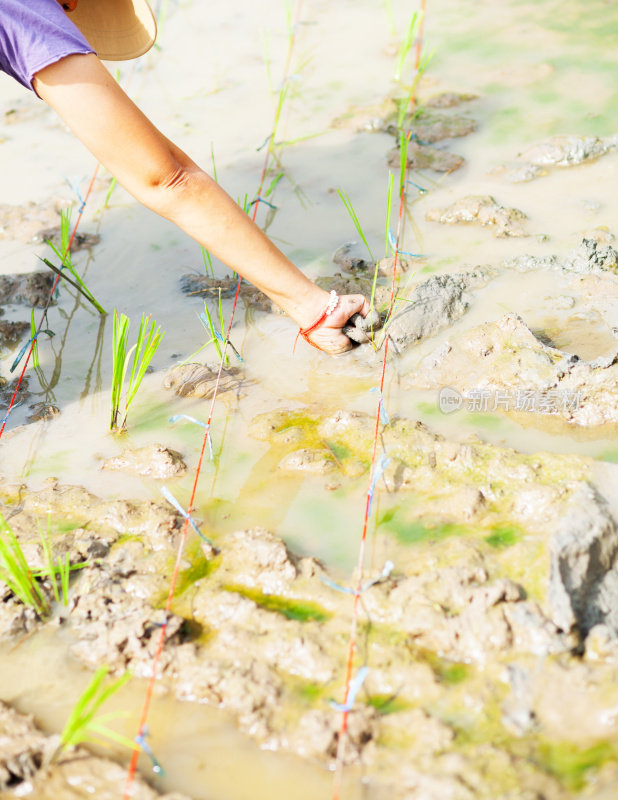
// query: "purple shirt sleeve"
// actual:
[[35, 34]]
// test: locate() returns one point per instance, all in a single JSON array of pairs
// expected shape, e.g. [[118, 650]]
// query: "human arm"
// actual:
[[162, 177]]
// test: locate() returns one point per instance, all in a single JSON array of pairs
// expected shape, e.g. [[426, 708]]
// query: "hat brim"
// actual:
[[117, 30]]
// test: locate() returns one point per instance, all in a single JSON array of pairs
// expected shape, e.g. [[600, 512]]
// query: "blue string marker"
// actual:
[[260, 199], [378, 473], [176, 417], [8, 413], [393, 244], [140, 739], [22, 352], [386, 571], [383, 415], [74, 186], [355, 686], [172, 501]]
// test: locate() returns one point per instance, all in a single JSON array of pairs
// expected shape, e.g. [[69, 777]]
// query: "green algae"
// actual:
[[450, 673], [571, 764], [415, 531], [388, 703], [503, 536], [299, 610]]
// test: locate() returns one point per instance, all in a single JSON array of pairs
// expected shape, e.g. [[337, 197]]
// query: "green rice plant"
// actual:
[[58, 569], [208, 265], [214, 166], [390, 14], [389, 211], [64, 255], [404, 141], [35, 344], [406, 46], [16, 573], [112, 185], [359, 228], [143, 351], [82, 724]]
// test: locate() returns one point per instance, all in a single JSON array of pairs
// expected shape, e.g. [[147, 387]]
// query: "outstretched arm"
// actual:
[[162, 177]]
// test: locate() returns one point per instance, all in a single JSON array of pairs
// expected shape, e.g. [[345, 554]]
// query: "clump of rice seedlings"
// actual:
[[64, 255], [82, 724], [16, 573], [143, 351]]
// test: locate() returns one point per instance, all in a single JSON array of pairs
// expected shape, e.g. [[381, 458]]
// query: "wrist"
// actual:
[[307, 305]]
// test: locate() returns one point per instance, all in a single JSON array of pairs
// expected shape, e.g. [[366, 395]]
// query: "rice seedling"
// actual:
[[112, 185], [208, 265], [389, 211], [64, 255], [57, 569], [359, 228], [16, 573], [82, 724], [143, 351], [406, 46], [217, 334], [214, 166]]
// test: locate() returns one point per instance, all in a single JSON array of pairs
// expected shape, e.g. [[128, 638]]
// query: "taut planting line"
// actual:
[[183, 537]]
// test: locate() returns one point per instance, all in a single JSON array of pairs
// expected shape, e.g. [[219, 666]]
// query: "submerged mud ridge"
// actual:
[[472, 638]]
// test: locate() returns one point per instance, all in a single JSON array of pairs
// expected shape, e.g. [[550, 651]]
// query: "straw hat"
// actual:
[[116, 29]]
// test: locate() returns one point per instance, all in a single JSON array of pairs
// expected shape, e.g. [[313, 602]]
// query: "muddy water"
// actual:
[[539, 69]]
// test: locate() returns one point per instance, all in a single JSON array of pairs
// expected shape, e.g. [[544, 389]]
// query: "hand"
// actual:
[[328, 335]]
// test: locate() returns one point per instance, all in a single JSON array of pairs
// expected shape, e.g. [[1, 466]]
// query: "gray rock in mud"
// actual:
[[435, 304], [558, 151], [583, 583], [31, 289], [11, 333], [482, 210], [200, 380], [421, 156], [153, 461]]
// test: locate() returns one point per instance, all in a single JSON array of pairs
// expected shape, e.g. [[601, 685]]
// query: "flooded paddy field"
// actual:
[[486, 658]]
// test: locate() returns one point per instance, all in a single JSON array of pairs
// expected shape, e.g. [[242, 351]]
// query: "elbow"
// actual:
[[162, 190]]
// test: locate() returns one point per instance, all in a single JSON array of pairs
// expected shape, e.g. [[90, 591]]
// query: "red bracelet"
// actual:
[[333, 302]]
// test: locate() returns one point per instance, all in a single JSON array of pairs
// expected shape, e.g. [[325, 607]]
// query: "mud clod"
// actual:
[[199, 380], [482, 210], [153, 461]]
